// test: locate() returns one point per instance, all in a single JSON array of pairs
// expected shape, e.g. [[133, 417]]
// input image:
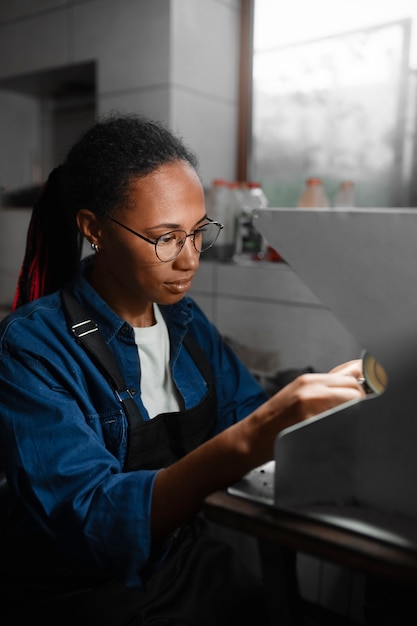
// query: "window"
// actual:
[[333, 96]]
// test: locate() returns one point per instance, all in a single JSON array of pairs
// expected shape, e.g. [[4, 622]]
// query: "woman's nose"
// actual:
[[188, 257]]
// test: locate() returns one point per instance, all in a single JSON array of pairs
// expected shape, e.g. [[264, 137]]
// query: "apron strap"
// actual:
[[87, 334]]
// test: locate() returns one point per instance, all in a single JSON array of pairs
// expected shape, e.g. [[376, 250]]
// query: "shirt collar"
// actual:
[[177, 316]]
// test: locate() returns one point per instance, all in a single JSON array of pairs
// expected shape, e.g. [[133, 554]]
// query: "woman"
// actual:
[[103, 522]]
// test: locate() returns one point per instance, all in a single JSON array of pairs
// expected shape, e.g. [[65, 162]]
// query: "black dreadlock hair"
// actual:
[[95, 175]]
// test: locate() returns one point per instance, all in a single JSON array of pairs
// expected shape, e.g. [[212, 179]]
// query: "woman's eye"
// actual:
[[168, 238]]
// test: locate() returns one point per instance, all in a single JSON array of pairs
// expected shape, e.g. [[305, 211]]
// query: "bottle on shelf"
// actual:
[[345, 195], [218, 201], [235, 202], [250, 244], [256, 194], [313, 194], [217, 196]]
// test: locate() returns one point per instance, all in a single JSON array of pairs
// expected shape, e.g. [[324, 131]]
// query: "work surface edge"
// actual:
[[312, 536]]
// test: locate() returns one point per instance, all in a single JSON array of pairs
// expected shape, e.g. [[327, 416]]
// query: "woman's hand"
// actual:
[[306, 396], [311, 394]]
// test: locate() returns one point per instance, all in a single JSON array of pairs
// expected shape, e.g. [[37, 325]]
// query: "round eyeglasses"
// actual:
[[169, 245]]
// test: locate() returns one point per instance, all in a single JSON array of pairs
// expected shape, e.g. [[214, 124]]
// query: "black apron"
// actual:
[[201, 582], [166, 438]]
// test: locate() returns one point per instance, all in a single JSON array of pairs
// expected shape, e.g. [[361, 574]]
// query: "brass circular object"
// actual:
[[376, 379]]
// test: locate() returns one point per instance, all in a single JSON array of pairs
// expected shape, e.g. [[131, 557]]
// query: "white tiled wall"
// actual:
[[176, 60], [265, 306]]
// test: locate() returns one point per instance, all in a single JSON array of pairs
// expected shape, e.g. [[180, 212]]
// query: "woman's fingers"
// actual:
[[350, 368], [312, 394]]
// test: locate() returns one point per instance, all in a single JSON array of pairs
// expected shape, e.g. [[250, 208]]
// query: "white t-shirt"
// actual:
[[158, 391]]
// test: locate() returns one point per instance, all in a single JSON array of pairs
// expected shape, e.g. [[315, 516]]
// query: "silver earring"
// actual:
[[94, 246]]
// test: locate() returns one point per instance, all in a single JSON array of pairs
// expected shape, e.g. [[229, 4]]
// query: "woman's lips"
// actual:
[[179, 286]]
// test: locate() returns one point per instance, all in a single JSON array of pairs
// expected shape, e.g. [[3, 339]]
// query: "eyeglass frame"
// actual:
[[154, 242]]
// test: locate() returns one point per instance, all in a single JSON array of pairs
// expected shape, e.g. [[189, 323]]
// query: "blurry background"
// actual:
[[64, 61], [263, 89], [334, 95]]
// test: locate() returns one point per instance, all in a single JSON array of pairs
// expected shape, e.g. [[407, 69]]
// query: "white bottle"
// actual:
[[257, 197], [218, 201], [250, 244], [313, 194], [345, 195], [236, 204], [216, 197]]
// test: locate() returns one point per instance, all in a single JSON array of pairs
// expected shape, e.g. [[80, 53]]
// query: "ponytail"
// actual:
[[53, 244]]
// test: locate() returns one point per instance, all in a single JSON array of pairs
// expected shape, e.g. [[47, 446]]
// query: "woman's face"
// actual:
[[126, 272]]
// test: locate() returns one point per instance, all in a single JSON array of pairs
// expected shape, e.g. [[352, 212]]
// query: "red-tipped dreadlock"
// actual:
[[52, 254], [31, 283]]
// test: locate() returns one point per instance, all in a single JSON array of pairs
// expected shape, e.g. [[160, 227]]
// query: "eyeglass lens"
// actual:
[[170, 245]]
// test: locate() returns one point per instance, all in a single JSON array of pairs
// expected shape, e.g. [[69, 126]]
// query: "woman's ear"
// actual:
[[89, 225]]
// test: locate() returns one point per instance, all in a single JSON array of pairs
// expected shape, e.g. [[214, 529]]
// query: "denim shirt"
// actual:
[[63, 432]]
